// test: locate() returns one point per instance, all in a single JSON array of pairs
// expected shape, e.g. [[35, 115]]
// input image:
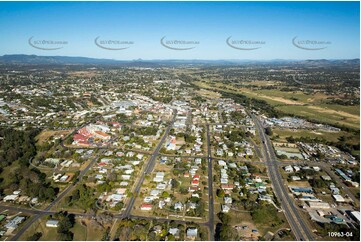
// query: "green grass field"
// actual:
[[80, 232]]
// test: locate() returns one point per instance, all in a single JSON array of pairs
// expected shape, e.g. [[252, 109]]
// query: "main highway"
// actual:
[[298, 225]]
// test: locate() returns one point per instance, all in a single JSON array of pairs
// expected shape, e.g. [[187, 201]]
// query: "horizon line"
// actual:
[[191, 59]]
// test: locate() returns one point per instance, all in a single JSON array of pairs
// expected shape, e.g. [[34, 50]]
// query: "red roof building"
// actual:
[[195, 183], [146, 207], [102, 135], [227, 186], [192, 189], [79, 137], [85, 132], [196, 177]]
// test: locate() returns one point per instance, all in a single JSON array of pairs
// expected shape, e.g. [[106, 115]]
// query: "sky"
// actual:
[[267, 30]]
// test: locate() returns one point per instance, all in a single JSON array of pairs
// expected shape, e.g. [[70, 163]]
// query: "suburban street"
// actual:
[[210, 187], [148, 169]]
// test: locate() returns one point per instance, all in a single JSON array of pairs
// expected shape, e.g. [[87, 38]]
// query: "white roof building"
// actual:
[[339, 198], [288, 169], [12, 197], [52, 223], [192, 232], [174, 231], [225, 208], [178, 206], [228, 200]]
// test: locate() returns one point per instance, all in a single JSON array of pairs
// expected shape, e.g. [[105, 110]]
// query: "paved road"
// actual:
[[210, 187], [82, 215], [298, 226], [149, 167], [21, 210], [297, 81], [161, 219]]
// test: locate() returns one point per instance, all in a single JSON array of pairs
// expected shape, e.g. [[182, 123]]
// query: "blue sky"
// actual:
[[209, 23]]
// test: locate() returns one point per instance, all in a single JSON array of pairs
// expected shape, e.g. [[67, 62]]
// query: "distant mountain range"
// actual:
[[35, 59], [68, 60]]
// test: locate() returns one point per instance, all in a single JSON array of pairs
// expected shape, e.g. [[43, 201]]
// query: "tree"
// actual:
[[64, 225], [228, 233], [35, 237], [171, 237], [119, 206], [165, 194], [183, 190], [269, 131], [220, 193], [175, 184], [225, 218], [66, 236]]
